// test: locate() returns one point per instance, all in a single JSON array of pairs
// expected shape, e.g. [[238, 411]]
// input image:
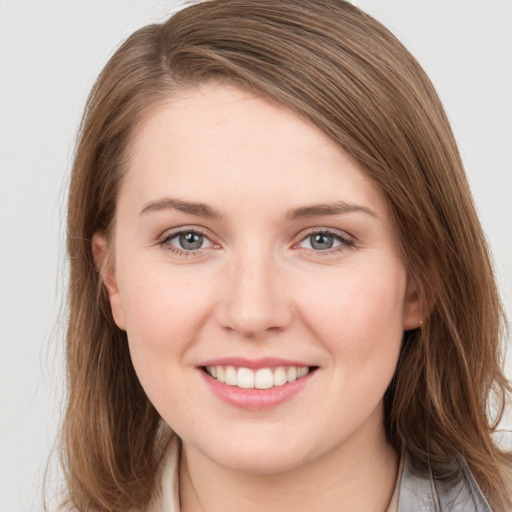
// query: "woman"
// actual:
[[280, 292]]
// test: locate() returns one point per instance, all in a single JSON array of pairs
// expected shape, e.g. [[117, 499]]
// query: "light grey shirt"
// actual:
[[420, 494], [413, 493]]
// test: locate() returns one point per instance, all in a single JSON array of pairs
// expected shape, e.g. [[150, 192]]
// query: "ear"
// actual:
[[104, 264], [415, 307]]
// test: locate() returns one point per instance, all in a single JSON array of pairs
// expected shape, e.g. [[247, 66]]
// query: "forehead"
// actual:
[[215, 141], [207, 113]]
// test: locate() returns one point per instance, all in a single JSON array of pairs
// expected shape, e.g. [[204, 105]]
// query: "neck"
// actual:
[[358, 475]]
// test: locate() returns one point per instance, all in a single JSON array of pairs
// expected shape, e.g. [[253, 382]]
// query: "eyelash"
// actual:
[[165, 240], [344, 242]]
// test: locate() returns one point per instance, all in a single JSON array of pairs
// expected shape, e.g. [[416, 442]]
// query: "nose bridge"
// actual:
[[255, 301]]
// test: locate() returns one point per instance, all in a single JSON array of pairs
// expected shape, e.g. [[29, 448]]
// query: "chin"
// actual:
[[263, 454], [265, 463]]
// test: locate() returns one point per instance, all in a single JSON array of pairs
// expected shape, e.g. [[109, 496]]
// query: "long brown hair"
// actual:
[[337, 67]]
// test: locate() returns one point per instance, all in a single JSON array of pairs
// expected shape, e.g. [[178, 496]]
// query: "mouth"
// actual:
[[262, 378]]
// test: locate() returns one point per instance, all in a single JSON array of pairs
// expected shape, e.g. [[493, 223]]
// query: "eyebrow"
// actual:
[[304, 212], [192, 208], [318, 210]]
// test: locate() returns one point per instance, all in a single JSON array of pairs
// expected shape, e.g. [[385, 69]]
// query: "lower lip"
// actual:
[[256, 399]]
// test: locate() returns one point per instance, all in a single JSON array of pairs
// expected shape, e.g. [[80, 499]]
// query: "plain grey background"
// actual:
[[50, 54]]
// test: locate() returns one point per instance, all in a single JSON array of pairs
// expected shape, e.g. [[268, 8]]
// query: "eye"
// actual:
[[186, 241], [321, 241], [325, 241], [190, 241]]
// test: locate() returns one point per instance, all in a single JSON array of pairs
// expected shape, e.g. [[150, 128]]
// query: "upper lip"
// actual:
[[254, 364]]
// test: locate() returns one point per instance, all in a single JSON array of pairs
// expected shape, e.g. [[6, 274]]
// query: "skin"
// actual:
[[258, 288]]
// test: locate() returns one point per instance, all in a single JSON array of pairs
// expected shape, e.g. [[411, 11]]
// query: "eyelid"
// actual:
[[188, 228], [346, 240], [175, 236], [164, 239]]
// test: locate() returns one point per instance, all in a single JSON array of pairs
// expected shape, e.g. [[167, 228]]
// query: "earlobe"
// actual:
[[105, 267]]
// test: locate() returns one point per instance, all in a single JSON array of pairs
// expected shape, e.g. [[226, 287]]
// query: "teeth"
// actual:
[[264, 378], [244, 378], [230, 376], [302, 371], [279, 377], [291, 374]]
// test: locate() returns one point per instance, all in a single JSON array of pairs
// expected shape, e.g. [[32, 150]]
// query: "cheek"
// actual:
[[358, 316], [161, 307], [161, 327], [163, 314]]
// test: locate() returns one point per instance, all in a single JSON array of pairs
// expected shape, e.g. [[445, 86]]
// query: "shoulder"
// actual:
[[424, 494]]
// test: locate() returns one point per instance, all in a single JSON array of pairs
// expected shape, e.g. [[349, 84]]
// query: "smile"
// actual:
[[263, 378]]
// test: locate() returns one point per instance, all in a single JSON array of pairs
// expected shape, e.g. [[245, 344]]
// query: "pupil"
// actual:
[[191, 241], [321, 241]]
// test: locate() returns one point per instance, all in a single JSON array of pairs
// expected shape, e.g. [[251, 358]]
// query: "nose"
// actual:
[[255, 302]]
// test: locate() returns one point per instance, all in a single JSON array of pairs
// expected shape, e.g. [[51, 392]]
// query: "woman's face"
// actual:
[[249, 249]]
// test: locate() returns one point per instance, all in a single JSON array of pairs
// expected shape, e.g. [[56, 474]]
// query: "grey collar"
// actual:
[[424, 494]]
